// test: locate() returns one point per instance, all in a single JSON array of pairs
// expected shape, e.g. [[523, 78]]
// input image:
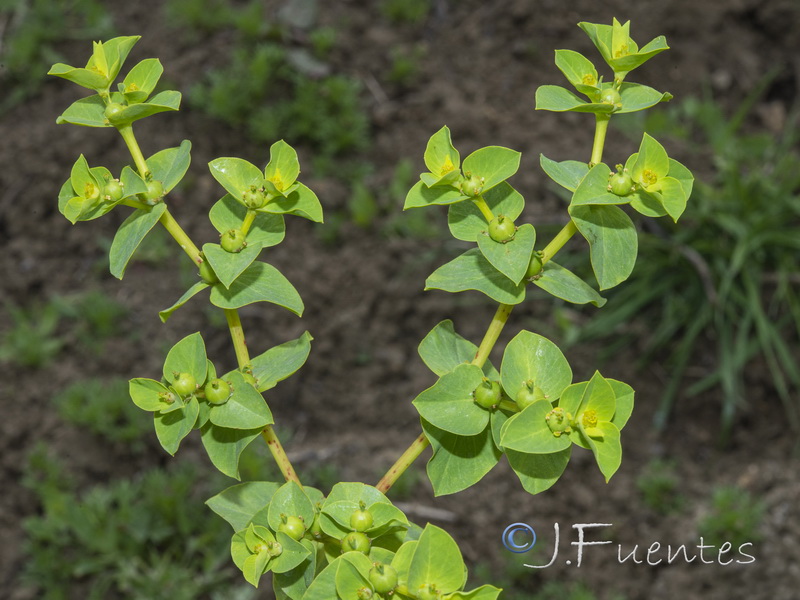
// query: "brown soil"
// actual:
[[363, 294]]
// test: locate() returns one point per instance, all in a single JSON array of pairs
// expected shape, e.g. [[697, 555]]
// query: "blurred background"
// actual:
[[706, 329]]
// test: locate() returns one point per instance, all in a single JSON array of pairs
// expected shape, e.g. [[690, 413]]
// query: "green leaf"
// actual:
[[682, 174], [458, 461], [132, 184], [161, 102], [278, 363], [608, 452], [651, 157], [449, 404], [301, 202], [636, 97], [527, 431], [352, 577], [324, 585], [559, 99], [293, 554], [291, 585], [255, 566], [225, 446], [510, 258], [116, 50], [612, 241], [578, 70], [236, 175], [290, 501], [145, 394], [82, 178], [467, 223], [267, 229], [89, 112], [531, 357], [245, 409], [260, 282], [672, 197], [188, 295], [351, 494], [567, 173], [441, 157], [538, 472], [471, 271], [170, 165], [237, 504], [189, 356], [142, 79], [437, 559], [130, 234], [562, 283], [593, 189], [442, 350], [422, 195], [493, 164], [83, 77], [229, 265], [175, 425], [283, 167], [623, 395], [485, 592]]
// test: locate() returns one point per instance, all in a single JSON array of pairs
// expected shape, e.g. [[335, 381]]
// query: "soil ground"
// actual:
[[363, 293]]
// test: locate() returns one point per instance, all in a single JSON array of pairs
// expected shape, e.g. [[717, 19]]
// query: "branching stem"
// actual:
[[405, 461]]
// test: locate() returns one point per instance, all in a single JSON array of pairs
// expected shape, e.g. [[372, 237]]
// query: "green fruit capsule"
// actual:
[[217, 391], [528, 394], [620, 183], [535, 266], [611, 96], [294, 527], [206, 272], [364, 593], [154, 193], [361, 520], [254, 197], [184, 383], [233, 240], [113, 112], [383, 578], [502, 229], [355, 541], [428, 591], [472, 186], [316, 528], [113, 190], [487, 395]]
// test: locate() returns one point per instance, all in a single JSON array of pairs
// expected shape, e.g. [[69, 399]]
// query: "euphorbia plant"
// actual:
[[353, 543]]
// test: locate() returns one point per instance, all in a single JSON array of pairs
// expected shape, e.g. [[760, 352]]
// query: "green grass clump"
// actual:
[[660, 487], [735, 517], [31, 341]]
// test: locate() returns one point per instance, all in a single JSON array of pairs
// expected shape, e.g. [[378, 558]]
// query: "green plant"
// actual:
[[723, 280], [405, 11], [31, 32], [32, 340], [104, 408], [734, 517], [354, 533], [660, 487], [146, 538]]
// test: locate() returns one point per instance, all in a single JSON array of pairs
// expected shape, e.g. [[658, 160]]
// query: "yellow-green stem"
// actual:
[[133, 147], [508, 405], [601, 127], [484, 208], [562, 237], [492, 333], [248, 221], [279, 454], [134, 204], [177, 232], [405, 461], [237, 335], [243, 359]]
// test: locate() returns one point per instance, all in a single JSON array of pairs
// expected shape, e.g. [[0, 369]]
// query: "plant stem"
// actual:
[[248, 221], [492, 333], [601, 127], [279, 454], [484, 208], [405, 461], [237, 335], [133, 147], [177, 232], [562, 237], [243, 359]]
